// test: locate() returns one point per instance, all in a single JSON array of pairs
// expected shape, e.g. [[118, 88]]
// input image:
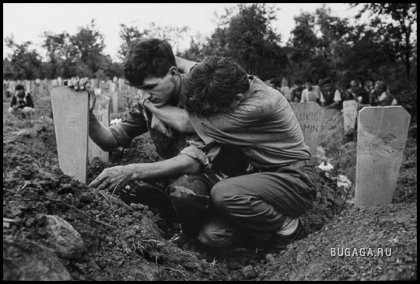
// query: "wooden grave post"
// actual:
[[112, 87], [350, 108], [310, 117], [113, 96], [381, 136], [70, 112], [27, 85], [101, 112]]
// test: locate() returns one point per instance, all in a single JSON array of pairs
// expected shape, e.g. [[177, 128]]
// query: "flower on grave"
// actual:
[[343, 181], [325, 166], [115, 121]]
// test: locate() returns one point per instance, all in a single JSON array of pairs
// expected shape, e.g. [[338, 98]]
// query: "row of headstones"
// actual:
[[381, 136], [35, 86]]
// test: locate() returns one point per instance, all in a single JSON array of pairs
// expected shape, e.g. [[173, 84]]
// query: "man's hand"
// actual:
[[92, 97], [113, 178]]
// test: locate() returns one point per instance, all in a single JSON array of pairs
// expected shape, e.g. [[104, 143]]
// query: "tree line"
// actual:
[[321, 46]]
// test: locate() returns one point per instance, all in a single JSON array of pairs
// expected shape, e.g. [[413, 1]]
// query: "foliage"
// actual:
[[23, 63], [174, 35], [398, 31]]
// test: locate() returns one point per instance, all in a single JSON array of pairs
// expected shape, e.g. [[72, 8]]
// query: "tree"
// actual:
[[399, 30], [88, 44], [246, 35], [24, 63], [174, 35]]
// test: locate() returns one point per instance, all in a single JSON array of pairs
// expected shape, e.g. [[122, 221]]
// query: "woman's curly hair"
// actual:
[[213, 84]]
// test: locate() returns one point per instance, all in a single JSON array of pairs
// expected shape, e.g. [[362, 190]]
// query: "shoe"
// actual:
[[281, 242]]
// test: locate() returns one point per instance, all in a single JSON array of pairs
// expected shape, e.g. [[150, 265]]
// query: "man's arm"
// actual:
[[13, 102], [101, 135], [184, 65], [29, 101], [172, 116], [117, 177]]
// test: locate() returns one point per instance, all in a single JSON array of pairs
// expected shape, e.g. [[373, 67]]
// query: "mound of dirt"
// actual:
[[363, 244]]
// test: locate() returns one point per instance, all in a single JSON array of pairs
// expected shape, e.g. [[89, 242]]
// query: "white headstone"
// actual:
[[310, 117], [349, 116], [114, 101], [70, 112], [381, 137], [101, 112]]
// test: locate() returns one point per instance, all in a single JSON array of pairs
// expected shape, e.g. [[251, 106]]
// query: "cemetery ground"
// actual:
[[111, 240]]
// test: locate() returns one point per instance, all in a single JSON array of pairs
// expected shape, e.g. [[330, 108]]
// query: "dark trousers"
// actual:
[[248, 208]]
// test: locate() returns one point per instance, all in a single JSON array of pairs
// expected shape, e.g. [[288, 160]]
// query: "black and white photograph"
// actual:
[[209, 141]]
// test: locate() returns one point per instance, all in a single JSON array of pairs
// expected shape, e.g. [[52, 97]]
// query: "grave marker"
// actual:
[[27, 85], [70, 112], [349, 116], [112, 87], [381, 136], [101, 112], [310, 117], [113, 101]]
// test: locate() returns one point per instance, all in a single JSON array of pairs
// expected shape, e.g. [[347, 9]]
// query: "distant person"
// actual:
[[311, 93], [22, 104], [357, 93], [285, 90], [368, 86], [331, 96], [296, 91], [381, 96]]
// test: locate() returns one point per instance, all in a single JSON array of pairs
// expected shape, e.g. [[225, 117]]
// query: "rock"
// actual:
[[30, 261], [86, 197], [249, 272], [269, 257], [63, 238]]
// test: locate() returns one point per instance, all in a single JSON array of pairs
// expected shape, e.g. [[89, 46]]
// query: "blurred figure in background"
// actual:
[[285, 90], [22, 104], [368, 86], [356, 92], [296, 91], [311, 93], [331, 96], [381, 96]]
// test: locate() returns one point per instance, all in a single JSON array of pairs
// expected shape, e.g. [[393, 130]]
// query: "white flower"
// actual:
[[115, 121], [343, 181], [326, 167]]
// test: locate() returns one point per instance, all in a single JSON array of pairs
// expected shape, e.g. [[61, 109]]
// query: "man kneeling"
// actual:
[[22, 104]]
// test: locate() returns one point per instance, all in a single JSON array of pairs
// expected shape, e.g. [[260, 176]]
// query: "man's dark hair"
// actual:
[[147, 57], [19, 87], [213, 84]]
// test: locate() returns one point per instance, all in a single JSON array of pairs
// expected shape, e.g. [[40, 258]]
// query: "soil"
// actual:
[[133, 242]]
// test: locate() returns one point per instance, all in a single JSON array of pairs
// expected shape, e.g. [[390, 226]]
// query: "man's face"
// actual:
[[20, 93], [159, 90], [379, 87], [308, 85]]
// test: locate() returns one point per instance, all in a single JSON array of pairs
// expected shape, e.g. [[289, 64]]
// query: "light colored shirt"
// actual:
[[337, 96], [263, 125], [310, 96]]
